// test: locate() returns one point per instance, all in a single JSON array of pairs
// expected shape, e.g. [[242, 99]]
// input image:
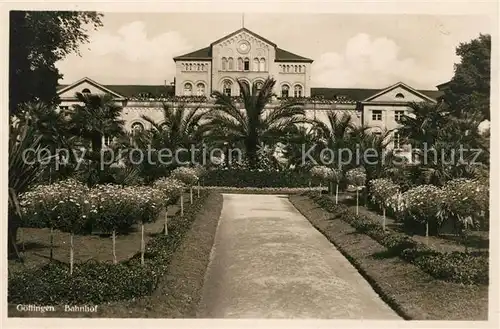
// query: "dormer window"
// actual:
[[400, 95]]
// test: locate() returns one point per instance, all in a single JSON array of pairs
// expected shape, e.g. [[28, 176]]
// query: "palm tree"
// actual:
[[22, 173], [99, 116], [300, 139], [250, 126]]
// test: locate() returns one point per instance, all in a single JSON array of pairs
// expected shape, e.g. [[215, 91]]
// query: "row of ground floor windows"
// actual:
[[227, 89]]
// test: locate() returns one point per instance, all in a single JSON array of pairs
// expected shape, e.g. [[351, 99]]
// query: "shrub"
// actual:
[[258, 179], [172, 188], [186, 175], [381, 191], [422, 204], [465, 268], [356, 177], [466, 201]]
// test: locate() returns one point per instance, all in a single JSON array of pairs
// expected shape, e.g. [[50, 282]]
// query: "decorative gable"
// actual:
[[86, 85], [399, 92], [242, 35]]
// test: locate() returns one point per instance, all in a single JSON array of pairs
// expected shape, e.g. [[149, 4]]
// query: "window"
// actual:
[[285, 91], [256, 64], [398, 115], [247, 64], [400, 95], [262, 64], [86, 91], [224, 64], [297, 92], [226, 87], [377, 115], [64, 108], [259, 85], [188, 89], [295, 68], [231, 64], [200, 89], [240, 64], [397, 140], [137, 127]]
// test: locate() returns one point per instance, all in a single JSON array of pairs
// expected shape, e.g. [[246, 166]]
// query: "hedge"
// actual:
[[460, 267], [249, 178]]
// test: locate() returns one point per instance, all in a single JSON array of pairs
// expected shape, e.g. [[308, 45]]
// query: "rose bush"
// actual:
[[356, 177], [186, 175], [172, 188], [382, 190]]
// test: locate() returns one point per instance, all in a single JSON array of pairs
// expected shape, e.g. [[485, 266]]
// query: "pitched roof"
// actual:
[[93, 83], [359, 94], [396, 85], [286, 56], [243, 29], [206, 53], [203, 53]]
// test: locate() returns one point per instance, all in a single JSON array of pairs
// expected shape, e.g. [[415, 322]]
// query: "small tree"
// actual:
[[357, 178], [382, 190], [172, 189], [187, 176]]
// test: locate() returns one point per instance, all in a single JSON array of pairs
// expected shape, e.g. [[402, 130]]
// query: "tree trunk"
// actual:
[[427, 233], [71, 254], [182, 204], [191, 195], [357, 200], [114, 247], [198, 188], [383, 220], [166, 220], [337, 193], [320, 187], [142, 243], [330, 188]]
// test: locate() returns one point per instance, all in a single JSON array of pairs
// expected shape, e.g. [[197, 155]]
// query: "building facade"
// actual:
[[245, 55]]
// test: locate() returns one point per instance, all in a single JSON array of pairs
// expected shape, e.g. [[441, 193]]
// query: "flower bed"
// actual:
[[263, 190], [458, 267], [97, 282]]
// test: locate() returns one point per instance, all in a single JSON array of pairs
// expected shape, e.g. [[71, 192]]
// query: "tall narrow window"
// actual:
[[200, 89], [188, 89], [377, 115], [285, 89], [297, 91], [262, 65], [256, 64], [224, 64], [397, 140], [398, 115], [295, 68], [247, 64], [231, 64], [240, 64], [226, 87]]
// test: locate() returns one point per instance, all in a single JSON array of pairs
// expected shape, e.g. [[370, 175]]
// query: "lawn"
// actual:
[[411, 292]]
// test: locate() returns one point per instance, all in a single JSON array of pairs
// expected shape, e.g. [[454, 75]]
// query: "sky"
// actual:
[[349, 50]]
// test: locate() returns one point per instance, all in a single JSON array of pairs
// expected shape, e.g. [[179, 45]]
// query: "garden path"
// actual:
[[268, 261]]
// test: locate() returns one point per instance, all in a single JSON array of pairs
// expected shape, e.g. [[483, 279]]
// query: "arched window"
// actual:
[[262, 65], [224, 64], [240, 64], [287, 68], [226, 87], [200, 89], [199, 67], [137, 127], [285, 89], [400, 95], [188, 89], [300, 68], [295, 68], [231, 64], [256, 64], [259, 85], [86, 91], [247, 64], [297, 91]]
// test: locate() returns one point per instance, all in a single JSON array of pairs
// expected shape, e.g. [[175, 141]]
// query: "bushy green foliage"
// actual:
[[356, 177], [466, 268], [422, 203], [256, 178], [382, 190], [186, 175], [172, 188], [96, 283]]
